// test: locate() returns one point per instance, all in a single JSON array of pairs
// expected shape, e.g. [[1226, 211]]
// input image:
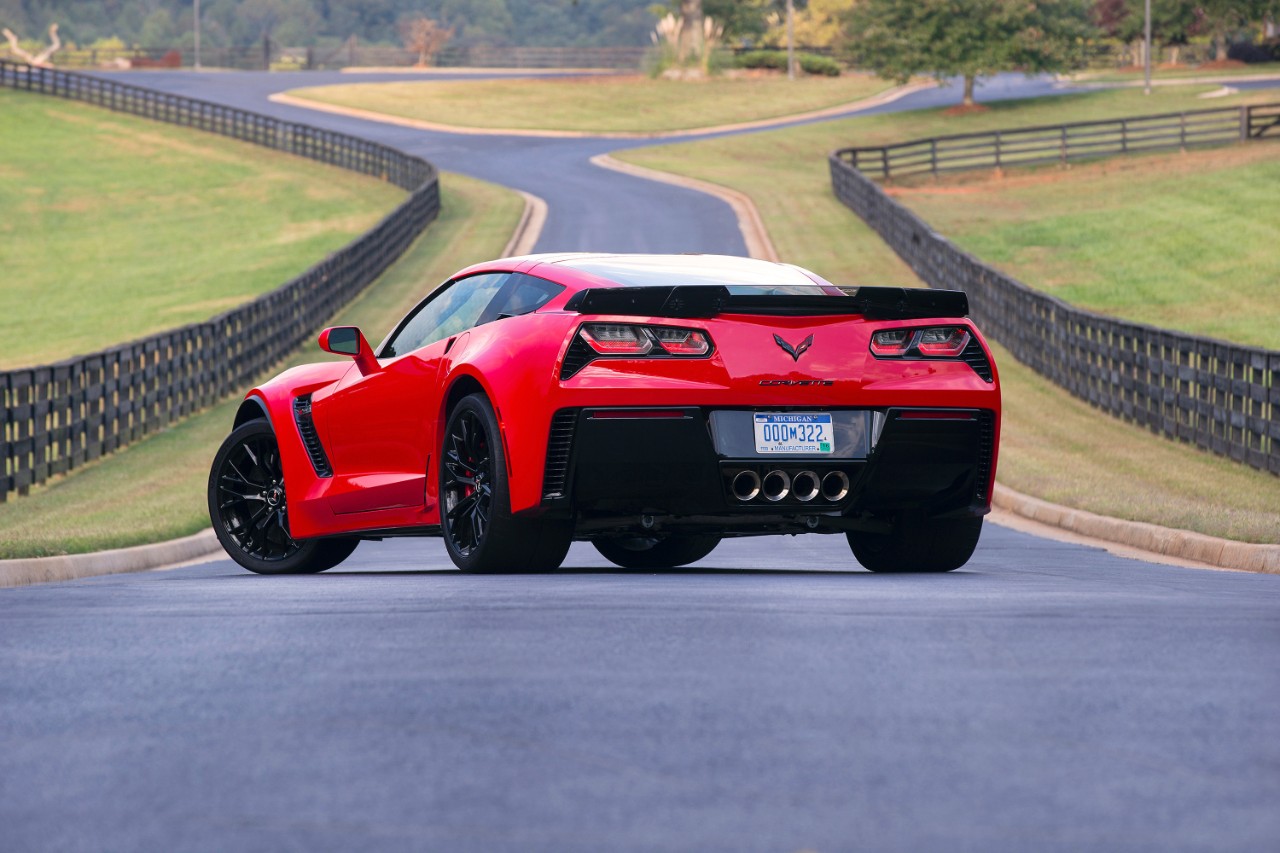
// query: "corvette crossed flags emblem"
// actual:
[[794, 352]]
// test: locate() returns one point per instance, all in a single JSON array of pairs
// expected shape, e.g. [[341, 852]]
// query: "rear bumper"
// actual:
[[683, 468]]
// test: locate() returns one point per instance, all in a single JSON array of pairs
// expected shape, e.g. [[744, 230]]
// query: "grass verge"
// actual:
[[114, 227], [1054, 446], [599, 104], [155, 490]]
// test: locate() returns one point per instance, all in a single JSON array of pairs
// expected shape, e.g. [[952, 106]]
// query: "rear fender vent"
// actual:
[[976, 357], [559, 448], [310, 439], [577, 357]]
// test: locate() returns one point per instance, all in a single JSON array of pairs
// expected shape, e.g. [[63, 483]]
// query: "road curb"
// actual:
[[139, 558], [1141, 536], [885, 97]]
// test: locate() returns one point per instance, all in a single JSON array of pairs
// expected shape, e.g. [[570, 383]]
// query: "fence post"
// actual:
[[1062, 145], [933, 156], [1245, 115]]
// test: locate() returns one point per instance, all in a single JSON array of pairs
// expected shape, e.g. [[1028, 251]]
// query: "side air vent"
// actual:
[[559, 445], [986, 449], [976, 358], [310, 439], [576, 358]]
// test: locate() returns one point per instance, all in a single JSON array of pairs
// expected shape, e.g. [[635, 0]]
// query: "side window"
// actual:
[[522, 294], [454, 309]]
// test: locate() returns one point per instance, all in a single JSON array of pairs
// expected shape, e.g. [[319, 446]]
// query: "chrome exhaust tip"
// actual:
[[776, 485], [805, 486], [835, 485], [746, 485]]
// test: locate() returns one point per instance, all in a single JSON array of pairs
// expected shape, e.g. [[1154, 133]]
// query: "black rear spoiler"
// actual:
[[700, 301]]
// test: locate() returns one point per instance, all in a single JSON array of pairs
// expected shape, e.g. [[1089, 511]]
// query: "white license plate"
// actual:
[[793, 432]]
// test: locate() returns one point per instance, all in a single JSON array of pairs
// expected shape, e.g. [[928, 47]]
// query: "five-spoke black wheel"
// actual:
[[642, 552], [480, 532], [939, 545], [249, 513]]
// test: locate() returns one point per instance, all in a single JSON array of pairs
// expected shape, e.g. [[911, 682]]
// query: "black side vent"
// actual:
[[559, 446], [576, 358], [976, 358], [307, 429], [986, 450]]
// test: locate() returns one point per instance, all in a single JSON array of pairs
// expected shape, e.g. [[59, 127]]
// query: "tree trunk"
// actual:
[[968, 90], [1220, 45], [690, 30]]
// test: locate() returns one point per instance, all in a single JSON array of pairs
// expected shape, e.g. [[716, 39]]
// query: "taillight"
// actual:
[[945, 342], [933, 342], [682, 341], [632, 340], [891, 342], [617, 339]]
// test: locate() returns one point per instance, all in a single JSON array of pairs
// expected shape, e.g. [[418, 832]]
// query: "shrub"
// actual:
[[777, 59]]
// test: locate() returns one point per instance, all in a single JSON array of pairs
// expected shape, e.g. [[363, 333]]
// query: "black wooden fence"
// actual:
[[1061, 143], [59, 416], [1220, 396]]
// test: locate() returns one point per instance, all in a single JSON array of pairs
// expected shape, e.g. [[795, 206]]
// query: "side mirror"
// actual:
[[347, 340]]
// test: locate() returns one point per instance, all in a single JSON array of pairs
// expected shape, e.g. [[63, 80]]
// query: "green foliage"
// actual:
[[1172, 21], [303, 23], [777, 59], [969, 38]]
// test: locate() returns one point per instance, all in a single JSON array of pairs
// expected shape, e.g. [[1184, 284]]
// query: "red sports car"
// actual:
[[651, 404]]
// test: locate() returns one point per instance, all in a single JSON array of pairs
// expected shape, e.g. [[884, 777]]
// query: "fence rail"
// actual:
[[1219, 396], [1033, 146], [58, 417]]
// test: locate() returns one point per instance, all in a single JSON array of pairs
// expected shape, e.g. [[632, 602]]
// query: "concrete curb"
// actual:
[[529, 228], [1153, 539], [139, 558], [885, 97]]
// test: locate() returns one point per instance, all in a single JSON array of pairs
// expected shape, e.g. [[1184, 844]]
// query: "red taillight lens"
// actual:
[[943, 342], [617, 339], [681, 341], [891, 342]]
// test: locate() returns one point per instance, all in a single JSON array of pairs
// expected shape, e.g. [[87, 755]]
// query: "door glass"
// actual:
[[455, 309]]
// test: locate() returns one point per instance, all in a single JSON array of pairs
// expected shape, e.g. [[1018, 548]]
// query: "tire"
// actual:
[[638, 552], [921, 546], [480, 533], [248, 510]]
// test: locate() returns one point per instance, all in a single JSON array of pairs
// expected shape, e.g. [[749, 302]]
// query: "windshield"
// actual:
[[742, 276]]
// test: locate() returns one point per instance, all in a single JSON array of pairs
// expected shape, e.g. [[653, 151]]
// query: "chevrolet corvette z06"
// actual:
[[650, 404]]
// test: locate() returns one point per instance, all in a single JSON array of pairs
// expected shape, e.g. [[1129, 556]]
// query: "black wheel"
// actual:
[[918, 546], [248, 511], [480, 532], [641, 552]]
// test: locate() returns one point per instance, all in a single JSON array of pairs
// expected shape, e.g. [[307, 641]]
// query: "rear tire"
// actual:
[[940, 545], [639, 552], [480, 532], [247, 506]]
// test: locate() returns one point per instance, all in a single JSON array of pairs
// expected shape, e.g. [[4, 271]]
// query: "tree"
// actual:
[[968, 38], [1222, 17], [1172, 21], [424, 37]]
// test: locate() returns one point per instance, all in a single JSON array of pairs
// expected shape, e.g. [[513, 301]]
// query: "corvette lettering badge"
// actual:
[[794, 352]]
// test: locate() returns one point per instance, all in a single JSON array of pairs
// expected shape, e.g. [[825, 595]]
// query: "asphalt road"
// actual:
[[773, 698]]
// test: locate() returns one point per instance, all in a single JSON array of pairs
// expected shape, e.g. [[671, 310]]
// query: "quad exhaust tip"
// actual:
[[746, 485], [835, 485], [805, 486], [776, 485]]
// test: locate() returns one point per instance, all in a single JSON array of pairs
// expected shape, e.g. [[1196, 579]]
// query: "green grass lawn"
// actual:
[[1183, 241], [1054, 446], [599, 104], [155, 490], [114, 227]]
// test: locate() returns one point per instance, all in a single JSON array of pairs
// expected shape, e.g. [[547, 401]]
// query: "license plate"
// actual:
[[793, 432]]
